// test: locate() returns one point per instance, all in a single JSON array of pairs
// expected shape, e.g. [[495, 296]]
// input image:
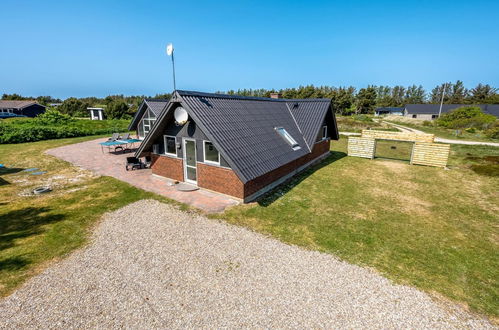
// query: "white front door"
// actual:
[[190, 170]]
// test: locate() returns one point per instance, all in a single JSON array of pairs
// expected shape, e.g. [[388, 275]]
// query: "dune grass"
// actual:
[[428, 227]]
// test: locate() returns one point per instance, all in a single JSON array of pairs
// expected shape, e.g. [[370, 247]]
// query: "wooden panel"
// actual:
[[398, 136], [430, 154], [361, 147]]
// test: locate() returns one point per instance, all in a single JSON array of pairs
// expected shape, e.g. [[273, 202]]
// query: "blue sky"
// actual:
[[96, 48]]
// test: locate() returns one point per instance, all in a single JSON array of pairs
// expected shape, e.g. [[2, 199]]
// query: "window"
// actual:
[[170, 145], [288, 138], [434, 116], [414, 116], [322, 134], [211, 154], [146, 123]]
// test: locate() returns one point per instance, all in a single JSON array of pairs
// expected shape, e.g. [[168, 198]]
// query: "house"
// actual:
[[29, 108], [389, 111], [146, 115], [431, 111], [96, 113], [237, 145]]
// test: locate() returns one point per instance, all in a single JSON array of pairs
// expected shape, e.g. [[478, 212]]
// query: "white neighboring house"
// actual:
[[96, 113]]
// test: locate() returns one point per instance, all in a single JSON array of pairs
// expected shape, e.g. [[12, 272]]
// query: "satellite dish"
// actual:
[[169, 49], [181, 116]]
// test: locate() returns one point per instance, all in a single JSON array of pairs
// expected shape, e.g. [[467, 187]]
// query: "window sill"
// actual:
[[213, 164], [168, 155]]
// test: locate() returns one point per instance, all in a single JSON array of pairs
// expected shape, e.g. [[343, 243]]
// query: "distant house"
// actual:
[[236, 145], [29, 108], [147, 113], [430, 111], [389, 111], [96, 113]]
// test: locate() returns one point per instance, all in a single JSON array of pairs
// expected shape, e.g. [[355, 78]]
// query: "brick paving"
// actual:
[[88, 155]]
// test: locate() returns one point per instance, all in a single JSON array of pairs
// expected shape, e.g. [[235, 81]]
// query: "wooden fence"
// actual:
[[430, 154], [361, 147], [398, 136]]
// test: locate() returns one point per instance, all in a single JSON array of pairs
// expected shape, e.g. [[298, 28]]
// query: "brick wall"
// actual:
[[224, 180], [168, 167], [256, 184], [220, 179]]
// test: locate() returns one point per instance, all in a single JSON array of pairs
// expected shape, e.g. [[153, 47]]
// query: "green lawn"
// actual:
[[447, 133], [36, 230], [432, 228]]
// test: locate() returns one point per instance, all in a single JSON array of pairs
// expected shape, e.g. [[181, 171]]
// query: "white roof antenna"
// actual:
[[169, 52]]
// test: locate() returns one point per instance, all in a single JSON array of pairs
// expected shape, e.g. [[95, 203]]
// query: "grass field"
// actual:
[[432, 228], [357, 123], [447, 133], [36, 230]]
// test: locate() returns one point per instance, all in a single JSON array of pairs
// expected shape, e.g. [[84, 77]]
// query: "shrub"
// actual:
[[364, 118], [427, 123], [55, 126], [53, 116], [466, 117], [493, 131]]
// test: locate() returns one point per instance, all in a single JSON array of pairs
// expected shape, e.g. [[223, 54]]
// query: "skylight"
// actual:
[[288, 138]]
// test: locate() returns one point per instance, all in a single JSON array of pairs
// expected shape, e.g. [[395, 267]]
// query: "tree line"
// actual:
[[345, 100], [348, 100], [117, 106]]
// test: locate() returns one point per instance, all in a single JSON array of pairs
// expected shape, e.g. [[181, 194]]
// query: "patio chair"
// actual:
[[147, 161], [133, 162], [114, 137], [125, 136]]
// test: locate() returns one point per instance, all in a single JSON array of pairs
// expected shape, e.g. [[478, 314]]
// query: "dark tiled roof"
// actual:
[[156, 106], [492, 109], [9, 104], [433, 109], [243, 128], [390, 109], [309, 115]]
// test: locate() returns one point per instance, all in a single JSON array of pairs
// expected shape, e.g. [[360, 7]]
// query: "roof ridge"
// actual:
[[242, 97]]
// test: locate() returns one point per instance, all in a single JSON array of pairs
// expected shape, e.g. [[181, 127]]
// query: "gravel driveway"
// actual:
[[152, 266]]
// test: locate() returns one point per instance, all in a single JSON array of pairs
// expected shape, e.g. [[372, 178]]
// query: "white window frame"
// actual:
[[164, 141], [324, 132], [204, 154]]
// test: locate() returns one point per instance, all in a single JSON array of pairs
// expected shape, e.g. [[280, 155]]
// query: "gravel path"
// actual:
[[152, 266]]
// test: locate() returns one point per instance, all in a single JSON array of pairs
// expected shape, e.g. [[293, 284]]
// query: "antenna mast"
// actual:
[[169, 52]]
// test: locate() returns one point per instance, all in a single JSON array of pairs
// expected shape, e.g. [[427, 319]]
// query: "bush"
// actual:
[[427, 123], [364, 118], [53, 116], [466, 117], [493, 131], [55, 126]]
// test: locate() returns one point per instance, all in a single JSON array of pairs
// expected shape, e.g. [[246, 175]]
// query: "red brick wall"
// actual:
[[256, 184], [220, 179], [168, 167], [224, 180]]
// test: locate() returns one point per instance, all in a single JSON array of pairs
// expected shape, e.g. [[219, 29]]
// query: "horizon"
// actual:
[[94, 50]]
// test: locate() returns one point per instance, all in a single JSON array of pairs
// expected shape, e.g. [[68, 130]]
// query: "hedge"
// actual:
[[30, 130]]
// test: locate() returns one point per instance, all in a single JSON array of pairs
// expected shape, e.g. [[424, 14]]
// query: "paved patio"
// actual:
[[88, 155]]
